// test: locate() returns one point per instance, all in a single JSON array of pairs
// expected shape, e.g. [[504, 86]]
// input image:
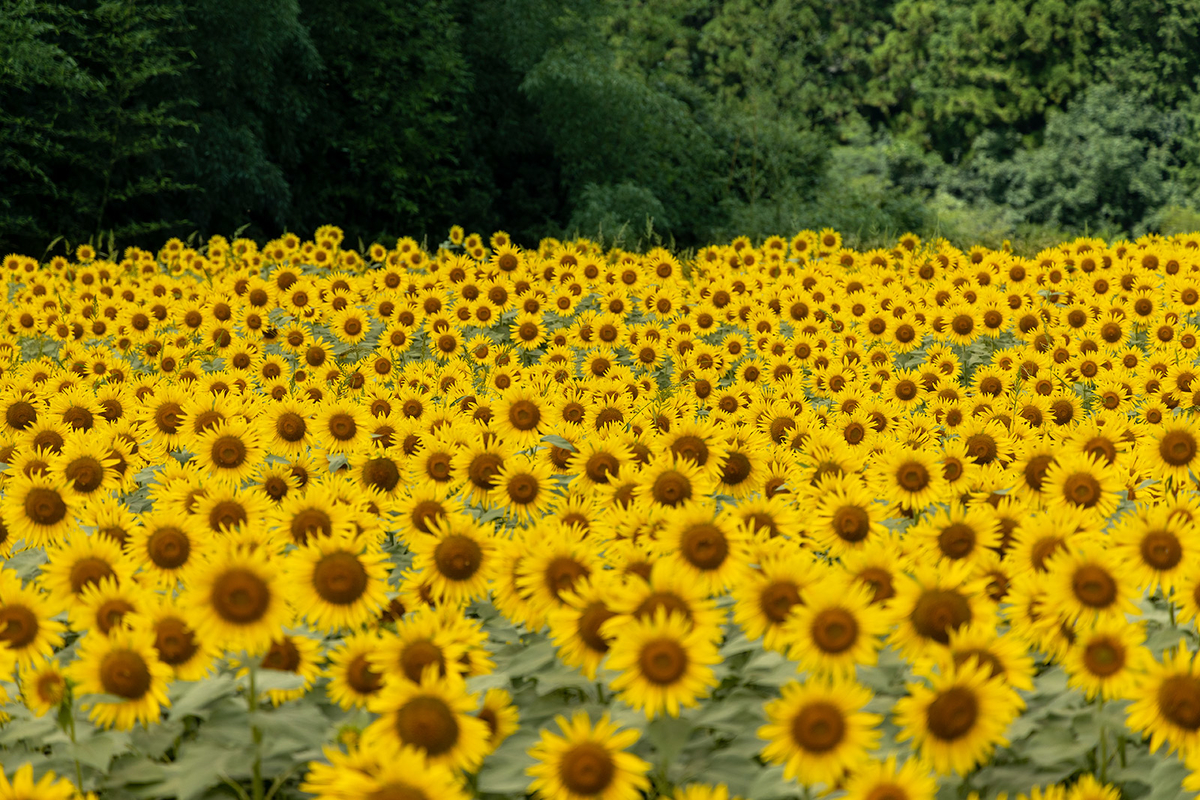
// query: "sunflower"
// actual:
[[704, 546], [48, 787], [959, 719], [104, 606], [122, 664], [352, 681], [933, 601], [458, 555], [665, 662], [671, 481], [28, 629], [765, 599], [956, 532], [835, 627], [1169, 451], [477, 465], [166, 545], [393, 771], [80, 561], [557, 557], [1084, 483], [846, 515], [1108, 660], [885, 780], [1089, 584], [912, 479], [432, 715], [818, 731], [237, 598], [641, 597], [38, 508], [286, 427], [43, 686], [314, 514], [87, 471], [297, 654], [523, 488], [188, 656], [1155, 545], [1166, 702], [521, 416], [501, 716], [341, 426], [575, 627], [588, 761], [336, 583], [598, 459]]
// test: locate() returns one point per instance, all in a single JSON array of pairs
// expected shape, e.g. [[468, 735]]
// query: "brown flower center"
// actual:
[[588, 627], [458, 557], [600, 467], [174, 641], [20, 415], [362, 678], [240, 596], [483, 468], [427, 723], [663, 661], [290, 427], [18, 626], [342, 427], [937, 612], [561, 573], [124, 673], [912, 476], [777, 598], [283, 655], [44, 506], [1161, 550], [310, 522], [819, 727], [1104, 656], [851, 523], [418, 655], [671, 488], [523, 489], [704, 546], [381, 473], [1094, 587], [957, 540], [1082, 489], [880, 581], [340, 578], [586, 769], [953, 713], [168, 547], [524, 415], [89, 571], [1177, 448], [834, 630], [85, 474]]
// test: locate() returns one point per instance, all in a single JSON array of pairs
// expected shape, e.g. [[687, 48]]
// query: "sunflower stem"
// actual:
[[75, 753], [1103, 744], [255, 733]]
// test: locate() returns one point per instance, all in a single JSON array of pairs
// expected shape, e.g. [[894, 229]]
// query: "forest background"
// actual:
[[977, 120]]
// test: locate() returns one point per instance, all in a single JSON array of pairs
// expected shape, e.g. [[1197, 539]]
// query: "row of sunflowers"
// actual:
[[761, 521]]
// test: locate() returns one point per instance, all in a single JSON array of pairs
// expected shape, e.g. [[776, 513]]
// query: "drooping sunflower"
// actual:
[[958, 720], [818, 731], [237, 597], [589, 762], [122, 664], [336, 582]]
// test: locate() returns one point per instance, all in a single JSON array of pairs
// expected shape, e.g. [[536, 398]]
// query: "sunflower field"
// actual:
[[776, 521]]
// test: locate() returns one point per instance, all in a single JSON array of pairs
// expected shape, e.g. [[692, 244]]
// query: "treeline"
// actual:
[[980, 120]]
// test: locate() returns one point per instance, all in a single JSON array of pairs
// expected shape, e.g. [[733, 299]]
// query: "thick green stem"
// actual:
[[1103, 745], [75, 753]]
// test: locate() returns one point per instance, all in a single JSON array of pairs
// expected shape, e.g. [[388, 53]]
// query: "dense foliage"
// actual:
[[981, 120]]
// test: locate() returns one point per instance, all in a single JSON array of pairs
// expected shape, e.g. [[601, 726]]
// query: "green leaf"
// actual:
[[669, 735], [503, 771], [195, 697]]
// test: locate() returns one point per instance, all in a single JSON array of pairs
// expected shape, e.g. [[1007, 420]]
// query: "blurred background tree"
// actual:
[[696, 119]]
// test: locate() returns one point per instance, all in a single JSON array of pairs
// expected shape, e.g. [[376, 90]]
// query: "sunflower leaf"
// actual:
[[194, 697]]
